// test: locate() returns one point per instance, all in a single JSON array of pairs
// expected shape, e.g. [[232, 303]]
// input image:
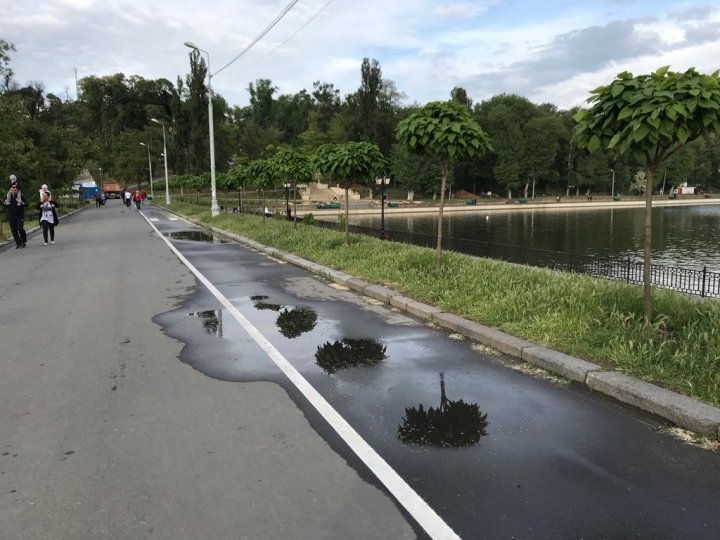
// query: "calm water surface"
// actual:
[[682, 236]]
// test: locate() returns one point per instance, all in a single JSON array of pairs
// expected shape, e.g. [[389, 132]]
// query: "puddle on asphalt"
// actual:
[[196, 235], [211, 321], [348, 353], [453, 424]]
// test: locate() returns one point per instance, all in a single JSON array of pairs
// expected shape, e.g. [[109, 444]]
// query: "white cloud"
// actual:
[[547, 51]]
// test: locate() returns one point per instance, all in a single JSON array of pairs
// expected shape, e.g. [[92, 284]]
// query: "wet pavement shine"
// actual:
[[497, 453]]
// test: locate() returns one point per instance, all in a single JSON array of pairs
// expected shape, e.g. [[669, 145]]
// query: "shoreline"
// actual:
[[511, 206]]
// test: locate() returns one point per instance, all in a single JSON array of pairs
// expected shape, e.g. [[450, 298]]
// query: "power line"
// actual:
[[311, 19], [267, 29]]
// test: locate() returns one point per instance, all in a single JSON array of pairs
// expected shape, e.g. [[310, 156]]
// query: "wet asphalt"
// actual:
[[498, 453]]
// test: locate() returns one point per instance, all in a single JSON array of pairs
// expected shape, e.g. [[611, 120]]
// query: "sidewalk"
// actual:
[[685, 412]]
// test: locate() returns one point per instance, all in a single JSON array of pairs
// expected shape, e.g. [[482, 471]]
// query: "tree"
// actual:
[[349, 162], [6, 74], [293, 167], [650, 117], [260, 172], [447, 131]]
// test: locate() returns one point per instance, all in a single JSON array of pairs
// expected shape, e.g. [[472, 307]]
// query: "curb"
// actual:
[[681, 410]]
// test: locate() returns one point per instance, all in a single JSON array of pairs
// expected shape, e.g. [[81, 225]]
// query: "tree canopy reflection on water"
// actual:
[[349, 352]]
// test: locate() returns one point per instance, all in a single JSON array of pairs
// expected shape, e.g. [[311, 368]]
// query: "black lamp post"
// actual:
[[383, 183], [287, 186]]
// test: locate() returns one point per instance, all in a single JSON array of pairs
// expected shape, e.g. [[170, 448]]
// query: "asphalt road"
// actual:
[[138, 405]]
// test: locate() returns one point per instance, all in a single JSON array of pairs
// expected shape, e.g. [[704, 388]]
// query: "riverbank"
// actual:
[[592, 321], [502, 205]]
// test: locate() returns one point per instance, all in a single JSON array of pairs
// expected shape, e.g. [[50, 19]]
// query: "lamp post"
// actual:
[[287, 186], [152, 194], [612, 189], [167, 190], [214, 208], [383, 183]]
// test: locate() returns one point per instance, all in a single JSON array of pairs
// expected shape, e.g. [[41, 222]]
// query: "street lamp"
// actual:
[[167, 190], [214, 208], [612, 189], [383, 183], [287, 186], [152, 194]]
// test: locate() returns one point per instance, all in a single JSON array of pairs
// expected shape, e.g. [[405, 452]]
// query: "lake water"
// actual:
[[685, 236]]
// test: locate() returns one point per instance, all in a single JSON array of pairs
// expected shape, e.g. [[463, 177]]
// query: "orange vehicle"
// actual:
[[112, 190]]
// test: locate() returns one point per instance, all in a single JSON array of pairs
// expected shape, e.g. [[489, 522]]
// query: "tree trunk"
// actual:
[[444, 171], [647, 289], [347, 215], [263, 206], [509, 194], [527, 185]]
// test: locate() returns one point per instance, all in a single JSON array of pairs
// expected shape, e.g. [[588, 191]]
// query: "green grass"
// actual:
[[595, 319]]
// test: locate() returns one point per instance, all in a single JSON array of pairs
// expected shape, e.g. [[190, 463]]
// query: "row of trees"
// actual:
[[46, 138]]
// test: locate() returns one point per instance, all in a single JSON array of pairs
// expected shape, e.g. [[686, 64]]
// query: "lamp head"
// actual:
[[191, 45], [143, 144], [155, 120]]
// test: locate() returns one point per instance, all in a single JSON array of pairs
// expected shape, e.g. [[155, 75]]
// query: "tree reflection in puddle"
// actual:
[[211, 321], [296, 321], [452, 424], [259, 304], [349, 353]]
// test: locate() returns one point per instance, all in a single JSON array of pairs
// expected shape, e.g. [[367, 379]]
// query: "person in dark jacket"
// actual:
[[15, 202]]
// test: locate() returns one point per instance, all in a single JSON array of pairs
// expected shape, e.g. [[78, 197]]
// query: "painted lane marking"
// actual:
[[173, 219], [153, 219], [421, 511]]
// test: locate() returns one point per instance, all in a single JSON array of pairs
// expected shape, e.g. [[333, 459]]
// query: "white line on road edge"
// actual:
[[426, 517]]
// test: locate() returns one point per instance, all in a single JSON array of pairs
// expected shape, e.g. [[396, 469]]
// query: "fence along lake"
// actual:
[[682, 236]]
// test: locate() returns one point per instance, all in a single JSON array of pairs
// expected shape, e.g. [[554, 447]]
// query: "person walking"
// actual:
[[138, 199], [127, 197], [48, 218], [15, 202]]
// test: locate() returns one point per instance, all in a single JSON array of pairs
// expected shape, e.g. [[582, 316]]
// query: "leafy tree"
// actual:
[[416, 173], [6, 73], [448, 132], [650, 117], [292, 167], [349, 162], [260, 173]]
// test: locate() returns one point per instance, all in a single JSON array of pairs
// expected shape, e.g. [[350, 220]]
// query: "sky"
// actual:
[[548, 51]]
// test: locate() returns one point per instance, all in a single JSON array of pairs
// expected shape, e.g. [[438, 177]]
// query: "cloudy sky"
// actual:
[[549, 51]]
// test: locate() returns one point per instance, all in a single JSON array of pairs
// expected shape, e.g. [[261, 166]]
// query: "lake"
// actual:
[[685, 236]]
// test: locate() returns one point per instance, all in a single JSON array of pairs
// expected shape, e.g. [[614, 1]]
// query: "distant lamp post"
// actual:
[[612, 188], [214, 208], [152, 194], [167, 190], [383, 183], [287, 186]]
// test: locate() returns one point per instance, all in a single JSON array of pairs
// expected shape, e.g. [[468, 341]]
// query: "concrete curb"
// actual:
[[681, 410]]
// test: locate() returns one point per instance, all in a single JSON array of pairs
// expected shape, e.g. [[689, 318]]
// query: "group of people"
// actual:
[[138, 197], [15, 203]]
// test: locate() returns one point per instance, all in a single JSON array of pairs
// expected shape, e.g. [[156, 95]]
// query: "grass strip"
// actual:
[[594, 319]]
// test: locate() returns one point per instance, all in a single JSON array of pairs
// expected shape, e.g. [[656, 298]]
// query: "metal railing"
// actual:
[[702, 283]]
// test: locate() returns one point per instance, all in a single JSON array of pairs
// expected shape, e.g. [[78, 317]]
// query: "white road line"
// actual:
[[413, 503], [153, 218], [173, 219]]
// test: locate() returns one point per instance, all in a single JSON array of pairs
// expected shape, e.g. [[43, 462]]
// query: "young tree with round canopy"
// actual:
[[650, 117]]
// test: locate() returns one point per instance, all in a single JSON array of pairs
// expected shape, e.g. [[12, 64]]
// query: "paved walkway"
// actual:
[[105, 434]]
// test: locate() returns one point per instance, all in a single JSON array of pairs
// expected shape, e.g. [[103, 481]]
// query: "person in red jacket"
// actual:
[[137, 198]]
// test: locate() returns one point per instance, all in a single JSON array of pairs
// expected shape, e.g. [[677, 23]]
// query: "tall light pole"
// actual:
[[165, 159], [152, 194], [612, 189], [214, 208], [383, 183]]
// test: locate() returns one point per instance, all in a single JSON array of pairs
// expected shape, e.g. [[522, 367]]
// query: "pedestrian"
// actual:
[[127, 196], [138, 199], [43, 189], [48, 217], [98, 199], [15, 202], [143, 196]]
